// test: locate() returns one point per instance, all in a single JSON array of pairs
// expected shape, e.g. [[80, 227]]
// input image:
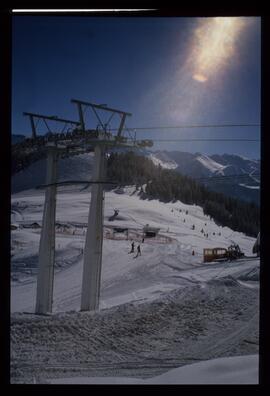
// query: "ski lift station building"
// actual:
[[150, 231]]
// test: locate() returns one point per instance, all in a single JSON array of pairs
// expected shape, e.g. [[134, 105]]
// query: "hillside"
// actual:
[[77, 167], [168, 185]]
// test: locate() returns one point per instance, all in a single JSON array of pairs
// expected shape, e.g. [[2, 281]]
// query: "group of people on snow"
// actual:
[[139, 253]]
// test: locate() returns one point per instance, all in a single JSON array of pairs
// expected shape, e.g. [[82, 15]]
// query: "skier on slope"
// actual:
[[132, 248], [138, 252]]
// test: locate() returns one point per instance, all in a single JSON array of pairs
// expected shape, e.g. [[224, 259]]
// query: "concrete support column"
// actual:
[[94, 238], [44, 297]]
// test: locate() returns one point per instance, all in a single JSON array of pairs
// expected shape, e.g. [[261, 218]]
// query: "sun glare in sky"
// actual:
[[214, 53], [214, 45]]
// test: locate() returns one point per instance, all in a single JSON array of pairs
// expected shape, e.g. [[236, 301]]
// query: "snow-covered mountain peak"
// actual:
[[211, 165], [162, 159]]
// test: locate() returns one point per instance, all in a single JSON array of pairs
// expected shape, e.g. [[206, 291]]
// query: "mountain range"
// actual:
[[233, 175]]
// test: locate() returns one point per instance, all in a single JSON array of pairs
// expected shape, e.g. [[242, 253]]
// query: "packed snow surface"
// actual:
[[233, 370], [160, 311]]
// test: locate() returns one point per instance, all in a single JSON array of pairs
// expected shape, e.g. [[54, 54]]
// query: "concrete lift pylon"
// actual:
[[46, 257], [92, 261], [44, 297], [94, 238]]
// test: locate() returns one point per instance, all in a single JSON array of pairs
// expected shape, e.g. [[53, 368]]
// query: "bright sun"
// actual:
[[214, 45]]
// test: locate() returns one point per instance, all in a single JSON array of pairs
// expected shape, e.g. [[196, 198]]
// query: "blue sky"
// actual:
[[143, 66]]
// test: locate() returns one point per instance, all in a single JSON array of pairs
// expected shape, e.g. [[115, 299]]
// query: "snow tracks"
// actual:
[[213, 319]]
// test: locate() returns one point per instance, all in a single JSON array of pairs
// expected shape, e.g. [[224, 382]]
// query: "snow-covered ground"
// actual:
[[162, 310], [233, 370]]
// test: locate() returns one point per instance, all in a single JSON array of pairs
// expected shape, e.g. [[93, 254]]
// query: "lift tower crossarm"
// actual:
[[44, 117], [53, 118], [102, 107]]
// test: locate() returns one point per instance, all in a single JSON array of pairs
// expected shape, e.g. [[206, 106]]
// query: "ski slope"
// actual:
[[163, 266], [152, 308]]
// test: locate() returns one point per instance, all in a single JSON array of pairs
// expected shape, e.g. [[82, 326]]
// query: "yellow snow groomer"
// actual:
[[221, 254]]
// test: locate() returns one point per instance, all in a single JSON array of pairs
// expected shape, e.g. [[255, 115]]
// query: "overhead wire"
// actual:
[[135, 129], [194, 126], [242, 175], [206, 140]]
